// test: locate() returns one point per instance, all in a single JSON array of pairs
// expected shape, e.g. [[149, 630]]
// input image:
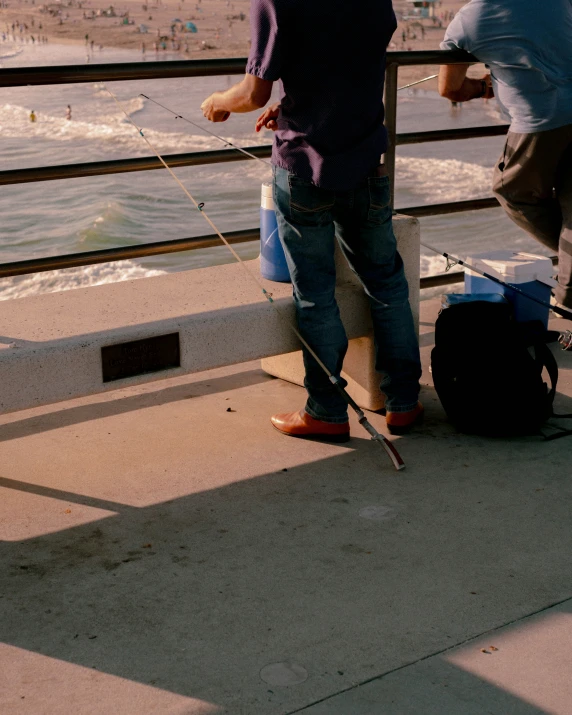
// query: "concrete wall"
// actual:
[[50, 345]]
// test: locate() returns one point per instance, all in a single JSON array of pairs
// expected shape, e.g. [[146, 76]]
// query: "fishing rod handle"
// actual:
[[565, 340]]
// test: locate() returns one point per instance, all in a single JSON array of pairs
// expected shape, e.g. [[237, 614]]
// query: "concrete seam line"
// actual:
[[430, 655]]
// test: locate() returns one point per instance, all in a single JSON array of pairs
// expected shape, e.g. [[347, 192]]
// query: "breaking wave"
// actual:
[[11, 53], [441, 180], [109, 128], [70, 278]]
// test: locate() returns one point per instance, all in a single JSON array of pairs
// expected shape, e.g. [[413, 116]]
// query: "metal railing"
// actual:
[[22, 76]]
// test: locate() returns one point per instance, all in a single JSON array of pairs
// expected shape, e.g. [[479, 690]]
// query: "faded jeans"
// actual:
[[308, 220]]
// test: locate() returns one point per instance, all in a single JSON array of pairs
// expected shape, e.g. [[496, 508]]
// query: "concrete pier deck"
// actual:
[[164, 550]]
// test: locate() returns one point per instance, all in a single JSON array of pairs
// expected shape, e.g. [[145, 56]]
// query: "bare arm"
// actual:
[[248, 95], [456, 86]]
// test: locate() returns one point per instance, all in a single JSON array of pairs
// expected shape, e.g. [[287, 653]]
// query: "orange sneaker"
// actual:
[[301, 424], [403, 422]]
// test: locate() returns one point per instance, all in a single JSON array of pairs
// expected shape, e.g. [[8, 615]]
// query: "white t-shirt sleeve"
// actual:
[[455, 36]]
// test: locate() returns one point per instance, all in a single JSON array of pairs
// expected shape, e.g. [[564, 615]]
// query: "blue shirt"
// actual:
[[330, 58], [528, 46]]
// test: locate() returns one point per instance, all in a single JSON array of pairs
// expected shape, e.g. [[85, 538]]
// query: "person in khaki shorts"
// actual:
[[528, 49]]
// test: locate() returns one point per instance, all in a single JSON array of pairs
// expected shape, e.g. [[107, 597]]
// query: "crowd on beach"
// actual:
[[22, 32], [218, 26], [211, 28]]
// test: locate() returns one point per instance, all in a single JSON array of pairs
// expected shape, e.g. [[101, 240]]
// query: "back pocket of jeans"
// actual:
[[307, 199], [379, 199]]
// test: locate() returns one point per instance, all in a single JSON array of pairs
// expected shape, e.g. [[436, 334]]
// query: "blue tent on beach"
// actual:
[[191, 27]]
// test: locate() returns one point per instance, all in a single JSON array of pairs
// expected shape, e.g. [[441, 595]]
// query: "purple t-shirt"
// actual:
[[330, 58]]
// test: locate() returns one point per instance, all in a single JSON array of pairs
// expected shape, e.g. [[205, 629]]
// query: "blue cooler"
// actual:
[[526, 271], [272, 259]]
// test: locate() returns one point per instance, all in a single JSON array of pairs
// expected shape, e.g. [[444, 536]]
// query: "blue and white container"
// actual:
[[526, 271], [272, 259]]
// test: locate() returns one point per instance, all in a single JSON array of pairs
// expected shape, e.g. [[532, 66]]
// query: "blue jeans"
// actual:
[[309, 218]]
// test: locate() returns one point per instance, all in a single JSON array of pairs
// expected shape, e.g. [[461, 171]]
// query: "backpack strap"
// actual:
[[560, 433], [553, 336], [545, 359]]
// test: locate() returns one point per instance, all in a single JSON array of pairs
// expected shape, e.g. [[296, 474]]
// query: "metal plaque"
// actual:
[[140, 357]]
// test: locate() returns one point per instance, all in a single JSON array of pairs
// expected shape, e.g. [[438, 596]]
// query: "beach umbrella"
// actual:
[[191, 27]]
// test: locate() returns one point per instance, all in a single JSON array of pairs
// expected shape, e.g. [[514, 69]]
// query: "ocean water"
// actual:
[[59, 217]]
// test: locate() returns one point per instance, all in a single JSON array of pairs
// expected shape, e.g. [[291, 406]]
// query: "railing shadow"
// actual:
[[62, 415]]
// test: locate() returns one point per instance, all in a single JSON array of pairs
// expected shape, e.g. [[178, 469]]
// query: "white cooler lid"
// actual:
[[513, 266]]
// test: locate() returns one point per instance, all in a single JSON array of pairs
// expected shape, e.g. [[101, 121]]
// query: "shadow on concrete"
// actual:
[[197, 594], [114, 405]]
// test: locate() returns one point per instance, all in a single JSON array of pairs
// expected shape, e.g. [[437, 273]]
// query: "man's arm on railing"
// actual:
[[456, 86]]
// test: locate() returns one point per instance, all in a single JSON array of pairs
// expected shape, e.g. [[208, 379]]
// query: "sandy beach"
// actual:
[[222, 28]]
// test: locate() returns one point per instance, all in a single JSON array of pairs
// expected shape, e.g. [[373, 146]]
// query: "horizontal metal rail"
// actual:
[[149, 163], [122, 166], [141, 250], [441, 279], [200, 158], [451, 207], [443, 135], [90, 258], [144, 250], [430, 57], [71, 74]]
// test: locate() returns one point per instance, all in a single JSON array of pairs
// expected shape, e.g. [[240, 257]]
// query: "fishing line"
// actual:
[[204, 129], [177, 115], [362, 419]]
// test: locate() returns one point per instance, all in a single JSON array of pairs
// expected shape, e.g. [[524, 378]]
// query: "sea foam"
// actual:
[[70, 278]]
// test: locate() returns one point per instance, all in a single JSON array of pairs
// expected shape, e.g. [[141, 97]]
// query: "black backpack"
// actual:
[[487, 370]]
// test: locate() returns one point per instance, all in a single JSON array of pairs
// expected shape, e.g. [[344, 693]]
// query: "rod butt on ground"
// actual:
[[391, 452], [388, 446]]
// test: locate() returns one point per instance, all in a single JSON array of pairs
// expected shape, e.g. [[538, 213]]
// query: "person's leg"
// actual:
[[306, 229], [365, 230], [524, 181], [563, 293]]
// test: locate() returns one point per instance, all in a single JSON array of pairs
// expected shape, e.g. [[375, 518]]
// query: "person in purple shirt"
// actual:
[[329, 137]]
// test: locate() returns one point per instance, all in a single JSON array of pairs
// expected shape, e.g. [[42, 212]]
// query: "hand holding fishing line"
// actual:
[[266, 119], [388, 446], [211, 112], [207, 131]]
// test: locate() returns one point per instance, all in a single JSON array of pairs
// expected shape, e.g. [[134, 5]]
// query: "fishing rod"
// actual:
[[565, 338], [380, 439], [419, 81]]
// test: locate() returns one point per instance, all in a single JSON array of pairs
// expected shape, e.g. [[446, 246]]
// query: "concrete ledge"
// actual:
[[50, 345]]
